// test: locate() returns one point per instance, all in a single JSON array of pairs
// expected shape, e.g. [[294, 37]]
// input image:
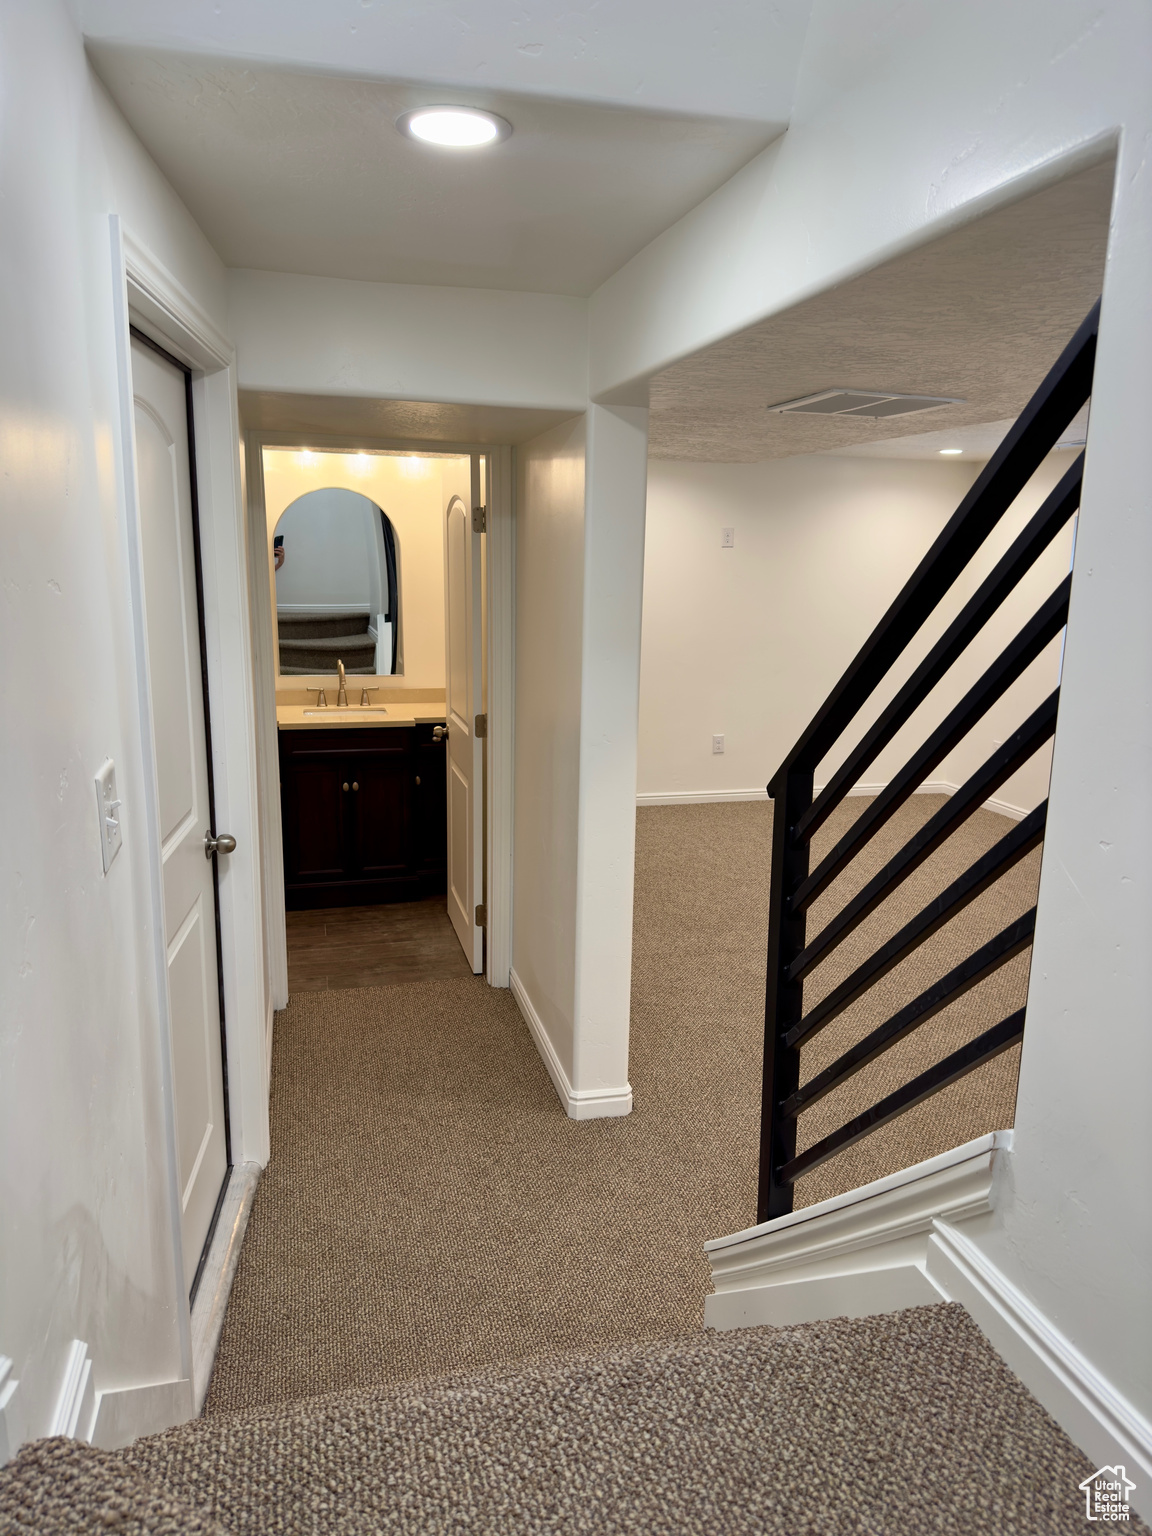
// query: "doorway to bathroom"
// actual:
[[377, 607]]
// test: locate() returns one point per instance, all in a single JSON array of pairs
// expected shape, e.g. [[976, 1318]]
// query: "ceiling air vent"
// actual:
[[860, 402]]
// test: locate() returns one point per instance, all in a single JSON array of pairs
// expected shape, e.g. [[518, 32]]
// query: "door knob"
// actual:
[[439, 733], [223, 843]]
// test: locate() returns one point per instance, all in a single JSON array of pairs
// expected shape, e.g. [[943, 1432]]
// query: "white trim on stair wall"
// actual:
[[113, 1417], [715, 796], [579, 1103], [900, 1242], [123, 1414], [1085, 1405], [217, 1276]]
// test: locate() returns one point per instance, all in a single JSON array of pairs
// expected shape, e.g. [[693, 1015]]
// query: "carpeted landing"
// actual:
[[902, 1423]]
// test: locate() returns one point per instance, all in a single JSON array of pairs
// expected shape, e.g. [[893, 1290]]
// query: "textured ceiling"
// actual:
[[288, 171], [977, 444], [404, 421], [980, 314]]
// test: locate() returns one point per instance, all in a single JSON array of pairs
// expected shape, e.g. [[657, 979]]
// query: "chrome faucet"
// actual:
[[342, 691]]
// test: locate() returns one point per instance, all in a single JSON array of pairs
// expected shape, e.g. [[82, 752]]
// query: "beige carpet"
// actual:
[[429, 1208], [903, 1423], [62, 1487]]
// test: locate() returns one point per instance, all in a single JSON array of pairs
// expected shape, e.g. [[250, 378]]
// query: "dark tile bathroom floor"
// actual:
[[373, 946]]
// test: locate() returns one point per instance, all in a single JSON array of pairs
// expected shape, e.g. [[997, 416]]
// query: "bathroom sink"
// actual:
[[344, 711]]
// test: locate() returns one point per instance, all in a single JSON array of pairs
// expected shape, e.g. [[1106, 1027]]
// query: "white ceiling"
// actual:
[[289, 171], [726, 58], [979, 315]]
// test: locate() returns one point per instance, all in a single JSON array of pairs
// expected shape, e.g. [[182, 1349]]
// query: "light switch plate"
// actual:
[[108, 810], [728, 540]]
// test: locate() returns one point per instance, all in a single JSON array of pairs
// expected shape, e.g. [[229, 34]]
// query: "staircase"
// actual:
[[908, 1422], [312, 644], [794, 954]]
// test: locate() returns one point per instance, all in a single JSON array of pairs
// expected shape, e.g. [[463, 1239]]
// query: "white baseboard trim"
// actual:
[[123, 1414], [701, 796], [12, 1428], [854, 1255], [76, 1405], [714, 796], [1087, 1407], [219, 1272], [579, 1103]]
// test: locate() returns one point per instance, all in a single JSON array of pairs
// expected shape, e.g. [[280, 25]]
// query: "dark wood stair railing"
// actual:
[[798, 814]]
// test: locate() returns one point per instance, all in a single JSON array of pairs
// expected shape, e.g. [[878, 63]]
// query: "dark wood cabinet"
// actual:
[[363, 815]]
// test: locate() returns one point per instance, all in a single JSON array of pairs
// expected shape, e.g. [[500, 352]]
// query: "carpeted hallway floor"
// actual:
[[429, 1208]]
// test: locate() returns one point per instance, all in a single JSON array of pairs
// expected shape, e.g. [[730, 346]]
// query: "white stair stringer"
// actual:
[[853, 1255], [76, 1405], [1103, 1423], [11, 1429], [900, 1242]]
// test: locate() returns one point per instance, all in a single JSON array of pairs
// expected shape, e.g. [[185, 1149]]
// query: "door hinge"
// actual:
[[481, 726], [479, 519], [481, 916]]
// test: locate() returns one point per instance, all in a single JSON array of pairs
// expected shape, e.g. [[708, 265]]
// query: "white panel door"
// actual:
[[181, 745], [463, 659]]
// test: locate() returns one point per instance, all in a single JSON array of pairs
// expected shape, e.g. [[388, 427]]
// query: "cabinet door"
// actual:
[[382, 811], [429, 820], [315, 832]]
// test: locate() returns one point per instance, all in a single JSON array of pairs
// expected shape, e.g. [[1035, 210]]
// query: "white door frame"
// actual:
[[500, 597], [148, 296]]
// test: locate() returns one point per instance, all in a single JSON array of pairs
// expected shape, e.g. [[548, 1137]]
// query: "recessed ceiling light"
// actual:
[[454, 127], [951, 450]]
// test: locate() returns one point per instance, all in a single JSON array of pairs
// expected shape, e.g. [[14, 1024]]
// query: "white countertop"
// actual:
[[306, 717]]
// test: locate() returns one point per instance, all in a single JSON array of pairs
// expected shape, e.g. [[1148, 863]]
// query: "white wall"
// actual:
[[747, 642], [549, 626], [409, 490], [87, 1249], [579, 574], [328, 336]]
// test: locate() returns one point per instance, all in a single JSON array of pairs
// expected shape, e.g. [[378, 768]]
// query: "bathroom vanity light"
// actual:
[[454, 127]]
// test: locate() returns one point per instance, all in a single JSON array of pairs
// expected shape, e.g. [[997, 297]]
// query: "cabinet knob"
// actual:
[[355, 785], [345, 788], [417, 778]]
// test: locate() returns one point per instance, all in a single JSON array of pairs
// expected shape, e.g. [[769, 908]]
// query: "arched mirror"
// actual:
[[337, 592]]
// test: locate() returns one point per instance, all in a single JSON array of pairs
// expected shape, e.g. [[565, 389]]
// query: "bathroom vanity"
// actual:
[[363, 809]]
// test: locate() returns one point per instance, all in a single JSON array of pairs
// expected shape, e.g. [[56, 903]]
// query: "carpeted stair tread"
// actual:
[[62, 1487], [899, 1423], [296, 626]]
